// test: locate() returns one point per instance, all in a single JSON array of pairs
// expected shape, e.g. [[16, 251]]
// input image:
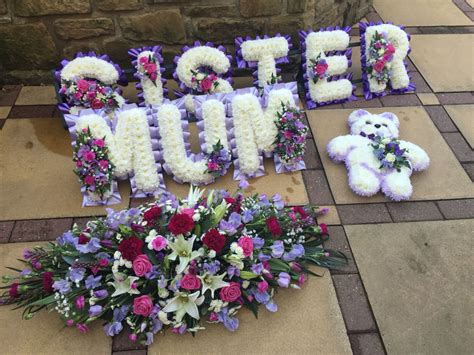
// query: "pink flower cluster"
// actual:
[[380, 54], [89, 93], [147, 67], [204, 83]]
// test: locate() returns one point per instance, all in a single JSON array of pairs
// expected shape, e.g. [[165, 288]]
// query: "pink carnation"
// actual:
[[246, 243], [379, 65], [104, 164], [89, 180], [159, 243], [89, 155], [99, 143], [143, 60], [83, 85]]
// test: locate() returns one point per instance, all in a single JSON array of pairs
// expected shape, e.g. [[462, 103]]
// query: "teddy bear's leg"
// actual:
[[397, 185], [363, 181]]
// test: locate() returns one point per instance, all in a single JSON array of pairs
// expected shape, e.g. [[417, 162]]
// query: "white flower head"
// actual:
[[184, 303]]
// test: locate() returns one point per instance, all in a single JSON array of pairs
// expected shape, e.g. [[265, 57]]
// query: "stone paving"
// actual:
[[406, 287]]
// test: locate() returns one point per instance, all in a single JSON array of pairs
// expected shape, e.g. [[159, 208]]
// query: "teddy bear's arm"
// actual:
[[339, 147], [416, 155]]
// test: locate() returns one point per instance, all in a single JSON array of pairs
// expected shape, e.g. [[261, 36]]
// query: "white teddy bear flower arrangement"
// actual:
[[375, 158]]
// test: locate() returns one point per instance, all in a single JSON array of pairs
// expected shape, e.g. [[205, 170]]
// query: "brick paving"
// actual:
[[361, 324]]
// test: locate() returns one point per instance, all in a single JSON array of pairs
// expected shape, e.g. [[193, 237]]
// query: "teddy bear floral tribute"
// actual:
[[173, 265]]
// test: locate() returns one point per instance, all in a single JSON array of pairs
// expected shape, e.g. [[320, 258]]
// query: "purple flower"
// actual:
[[243, 184], [296, 252], [27, 254], [258, 243], [257, 268], [101, 294], [230, 226], [149, 338], [247, 216], [212, 268], [271, 306], [261, 297], [25, 272], [63, 286], [233, 271], [277, 249], [93, 282], [231, 323], [264, 257], [278, 201], [263, 200], [120, 313], [91, 246], [157, 325], [112, 329], [284, 279], [95, 310], [153, 274], [77, 274], [66, 238]]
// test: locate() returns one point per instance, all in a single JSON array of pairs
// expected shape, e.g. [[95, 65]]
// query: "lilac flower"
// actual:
[[120, 313], [112, 329], [149, 338], [258, 243], [277, 249], [95, 310], [264, 257], [231, 323], [296, 252], [230, 226], [91, 246], [93, 282], [212, 268], [25, 272], [284, 279], [278, 201], [243, 184], [76, 274], [247, 216], [156, 326], [233, 271], [257, 268], [153, 273], [263, 200], [271, 306], [66, 238], [27, 254], [63, 286], [101, 294], [261, 297]]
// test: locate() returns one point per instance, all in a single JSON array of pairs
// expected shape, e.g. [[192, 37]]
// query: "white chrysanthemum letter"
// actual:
[[319, 67], [384, 48], [265, 51]]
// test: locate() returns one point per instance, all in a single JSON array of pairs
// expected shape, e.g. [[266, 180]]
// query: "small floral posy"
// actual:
[[380, 55], [388, 151], [204, 81], [290, 142], [218, 160], [147, 67], [89, 93], [173, 264], [93, 167], [319, 69]]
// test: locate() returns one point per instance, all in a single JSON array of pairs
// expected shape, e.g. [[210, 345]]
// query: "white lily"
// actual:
[[123, 284], [212, 282], [184, 303], [183, 249], [194, 195]]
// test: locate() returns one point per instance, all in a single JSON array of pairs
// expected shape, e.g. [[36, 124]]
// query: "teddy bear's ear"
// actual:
[[356, 115], [392, 117]]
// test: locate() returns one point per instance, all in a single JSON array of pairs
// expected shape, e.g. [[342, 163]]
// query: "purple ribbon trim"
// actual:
[[281, 167], [114, 199]]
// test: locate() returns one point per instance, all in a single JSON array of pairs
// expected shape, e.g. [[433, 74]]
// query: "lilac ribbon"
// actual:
[[113, 199]]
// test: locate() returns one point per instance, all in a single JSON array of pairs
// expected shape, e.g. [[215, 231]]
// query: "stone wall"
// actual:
[[36, 34]]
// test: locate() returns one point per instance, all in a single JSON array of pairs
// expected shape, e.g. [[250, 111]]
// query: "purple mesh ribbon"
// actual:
[[310, 103], [226, 76], [71, 121], [242, 63], [363, 59], [64, 106], [281, 167], [157, 52], [239, 175]]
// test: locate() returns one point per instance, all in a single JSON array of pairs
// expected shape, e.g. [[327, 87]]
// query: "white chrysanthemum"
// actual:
[[90, 67], [152, 92], [213, 112]]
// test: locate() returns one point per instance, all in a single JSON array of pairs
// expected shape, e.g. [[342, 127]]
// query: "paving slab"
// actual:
[[308, 321], [331, 218], [421, 12], [37, 178], [417, 278], [37, 95], [4, 111], [44, 333], [463, 117], [444, 179], [428, 99], [431, 53]]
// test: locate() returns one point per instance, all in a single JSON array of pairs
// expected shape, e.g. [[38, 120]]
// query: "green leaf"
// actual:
[[43, 301], [248, 275], [278, 265]]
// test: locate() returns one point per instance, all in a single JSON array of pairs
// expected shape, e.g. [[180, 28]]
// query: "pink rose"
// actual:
[[142, 306], [379, 65], [83, 85], [97, 104], [77, 95], [206, 84], [89, 180], [387, 57], [190, 282], [321, 68], [262, 286], [143, 60], [153, 76], [230, 293], [141, 265], [188, 211], [212, 166], [104, 164], [390, 48], [150, 67], [80, 302], [159, 243], [246, 243]]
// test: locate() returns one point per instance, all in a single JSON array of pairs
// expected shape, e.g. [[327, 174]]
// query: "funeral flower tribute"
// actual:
[[173, 264]]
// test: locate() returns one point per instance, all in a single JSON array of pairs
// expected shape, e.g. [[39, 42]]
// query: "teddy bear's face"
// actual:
[[363, 123]]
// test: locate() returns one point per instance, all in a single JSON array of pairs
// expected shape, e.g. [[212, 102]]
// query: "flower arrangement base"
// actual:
[[173, 265], [112, 197]]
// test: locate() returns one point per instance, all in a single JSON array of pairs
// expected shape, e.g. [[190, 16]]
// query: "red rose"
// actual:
[[235, 204], [273, 226], [142, 306], [48, 282], [230, 293], [131, 248], [190, 282], [97, 104], [83, 239], [214, 240], [141, 265], [180, 224], [324, 228], [13, 292], [321, 68], [152, 214]]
